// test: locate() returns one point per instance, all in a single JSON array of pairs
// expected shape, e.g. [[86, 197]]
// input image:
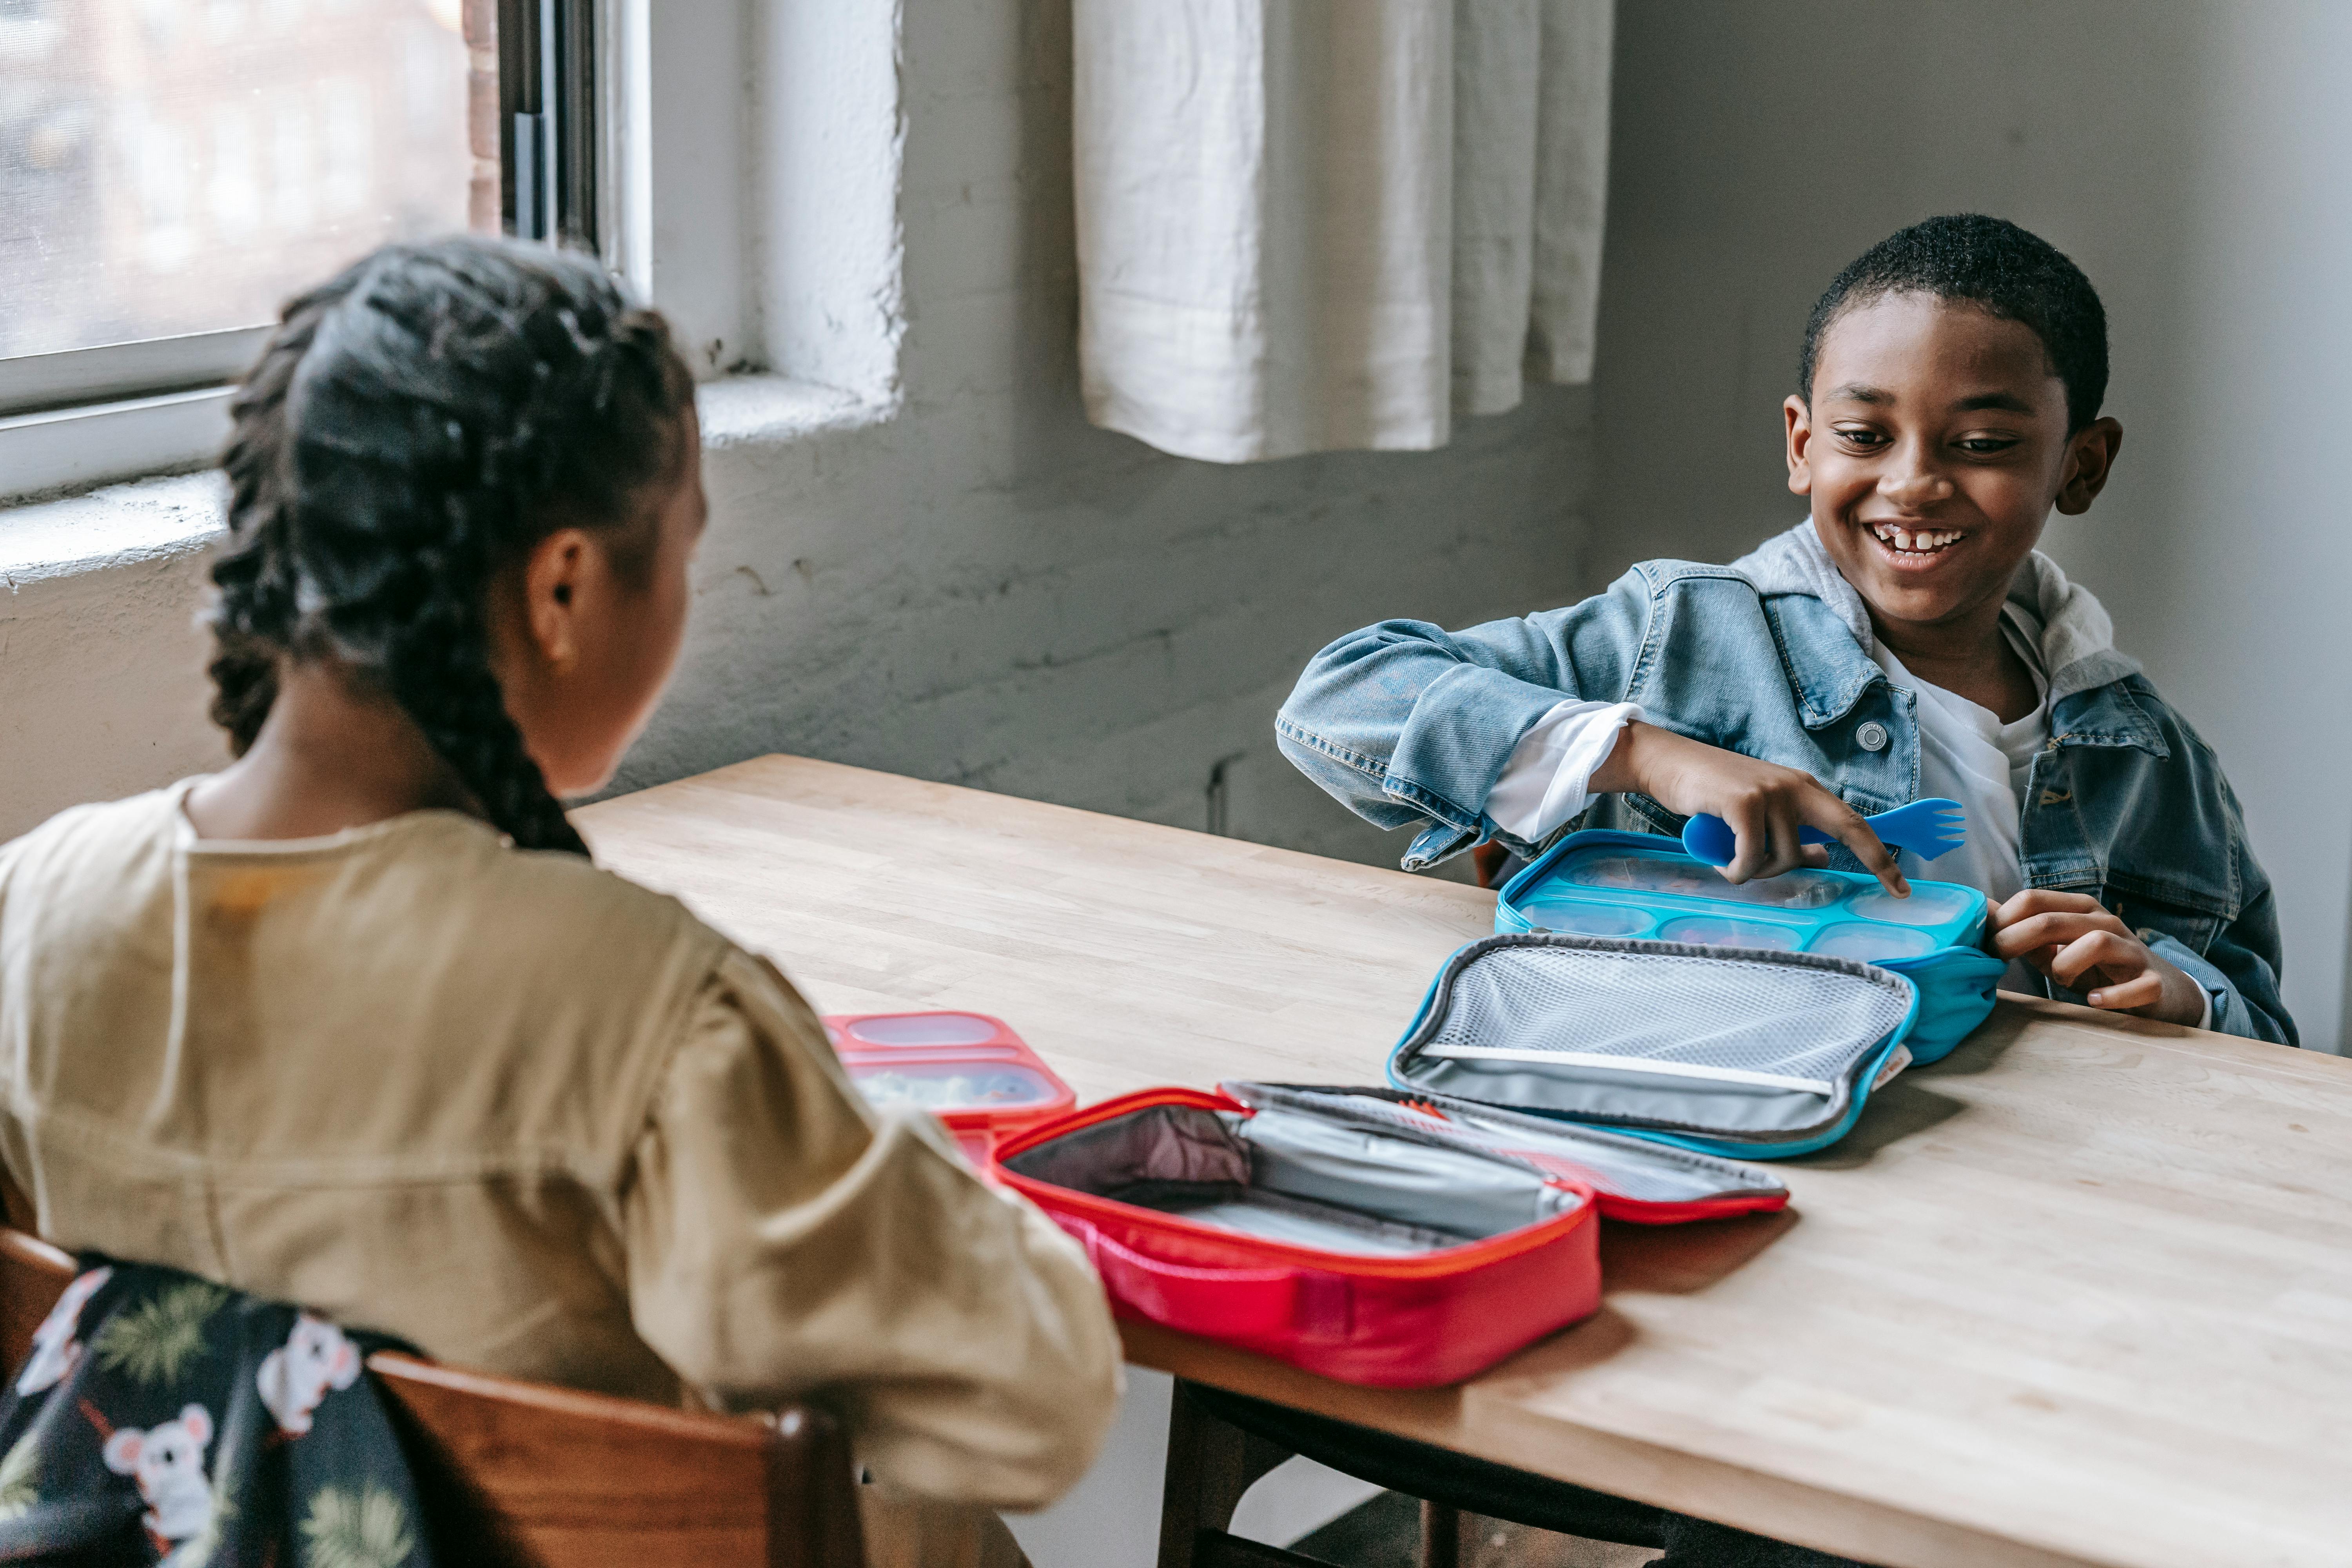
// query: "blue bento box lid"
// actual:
[[1644, 887]]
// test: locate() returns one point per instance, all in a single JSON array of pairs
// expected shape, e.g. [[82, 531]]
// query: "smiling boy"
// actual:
[[1906, 640]]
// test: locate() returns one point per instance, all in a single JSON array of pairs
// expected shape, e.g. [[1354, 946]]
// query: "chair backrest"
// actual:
[[32, 1275], [535, 1476]]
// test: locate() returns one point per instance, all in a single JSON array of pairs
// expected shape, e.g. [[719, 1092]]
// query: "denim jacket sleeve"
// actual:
[[2177, 866], [2240, 966], [1405, 723]]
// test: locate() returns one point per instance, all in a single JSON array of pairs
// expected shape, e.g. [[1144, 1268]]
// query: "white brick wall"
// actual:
[[990, 591]]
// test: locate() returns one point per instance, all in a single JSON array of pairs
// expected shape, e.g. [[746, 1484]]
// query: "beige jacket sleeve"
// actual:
[[785, 1240]]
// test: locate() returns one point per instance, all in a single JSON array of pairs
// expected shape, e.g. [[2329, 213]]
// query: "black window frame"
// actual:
[[547, 121]]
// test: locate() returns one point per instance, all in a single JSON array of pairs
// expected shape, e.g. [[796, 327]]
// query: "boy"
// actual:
[[1906, 640]]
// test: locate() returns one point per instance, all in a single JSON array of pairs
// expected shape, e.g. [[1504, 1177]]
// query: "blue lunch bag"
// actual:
[[1631, 986]]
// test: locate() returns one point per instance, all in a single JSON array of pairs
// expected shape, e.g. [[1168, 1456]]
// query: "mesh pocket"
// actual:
[[1795, 1024]]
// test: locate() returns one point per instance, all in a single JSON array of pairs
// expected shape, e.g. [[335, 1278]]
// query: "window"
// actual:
[[172, 169], [547, 98]]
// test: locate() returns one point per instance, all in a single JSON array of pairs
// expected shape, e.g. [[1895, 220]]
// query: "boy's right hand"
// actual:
[[1764, 803]]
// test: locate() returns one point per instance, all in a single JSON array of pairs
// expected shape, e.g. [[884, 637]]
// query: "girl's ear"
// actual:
[[1800, 438], [2090, 458], [554, 580]]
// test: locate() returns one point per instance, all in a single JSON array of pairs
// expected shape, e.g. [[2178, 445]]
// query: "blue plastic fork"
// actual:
[[1926, 828]]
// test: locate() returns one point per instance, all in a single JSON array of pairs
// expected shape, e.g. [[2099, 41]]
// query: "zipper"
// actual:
[[1715, 1142], [1638, 1065]]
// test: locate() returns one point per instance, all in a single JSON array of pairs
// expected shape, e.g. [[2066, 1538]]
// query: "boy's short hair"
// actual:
[[1997, 266]]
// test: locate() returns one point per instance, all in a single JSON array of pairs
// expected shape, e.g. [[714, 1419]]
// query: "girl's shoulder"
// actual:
[[95, 857], [408, 880], [430, 911], [422, 974], [134, 819], [468, 898]]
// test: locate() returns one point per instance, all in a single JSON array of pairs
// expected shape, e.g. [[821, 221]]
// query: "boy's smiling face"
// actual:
[[1933, 448]]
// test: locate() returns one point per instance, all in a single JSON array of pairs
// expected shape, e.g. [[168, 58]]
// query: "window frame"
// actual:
[[110, 373], [81, 417], [548, 141]]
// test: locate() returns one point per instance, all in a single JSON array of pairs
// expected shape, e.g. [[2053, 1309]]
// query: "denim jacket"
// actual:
[[1406, 723]]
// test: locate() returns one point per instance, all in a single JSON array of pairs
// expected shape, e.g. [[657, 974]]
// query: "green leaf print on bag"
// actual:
[[20, 1477], [370, 1530], [153, 1342]]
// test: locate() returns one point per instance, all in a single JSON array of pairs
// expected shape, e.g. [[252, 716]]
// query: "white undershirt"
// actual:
[[1966, 754], [1548, 777]]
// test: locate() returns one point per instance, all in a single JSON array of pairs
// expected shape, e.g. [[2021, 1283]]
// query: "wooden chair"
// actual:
[[1492, 861], [527, 1476]]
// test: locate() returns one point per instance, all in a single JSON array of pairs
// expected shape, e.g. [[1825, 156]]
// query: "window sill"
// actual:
[[146, 520], [66, 449], [151, 518], [775, 410]]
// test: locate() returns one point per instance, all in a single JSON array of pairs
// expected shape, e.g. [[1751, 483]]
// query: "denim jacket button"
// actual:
[[1871, 737]]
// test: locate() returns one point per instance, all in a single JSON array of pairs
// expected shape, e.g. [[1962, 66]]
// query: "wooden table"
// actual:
[[2080, 1294]]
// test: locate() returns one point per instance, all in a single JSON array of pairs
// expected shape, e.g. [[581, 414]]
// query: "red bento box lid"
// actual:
[[969, 1070]]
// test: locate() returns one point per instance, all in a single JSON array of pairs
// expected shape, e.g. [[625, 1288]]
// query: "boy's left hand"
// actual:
[[2077, 942]]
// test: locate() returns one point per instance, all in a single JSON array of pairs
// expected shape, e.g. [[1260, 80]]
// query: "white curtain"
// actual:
[[1309, 225]]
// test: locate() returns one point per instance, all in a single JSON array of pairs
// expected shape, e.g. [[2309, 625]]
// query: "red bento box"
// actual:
[[969, 1070]]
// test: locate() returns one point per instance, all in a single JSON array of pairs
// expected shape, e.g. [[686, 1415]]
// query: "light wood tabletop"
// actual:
[[2080, 1294]]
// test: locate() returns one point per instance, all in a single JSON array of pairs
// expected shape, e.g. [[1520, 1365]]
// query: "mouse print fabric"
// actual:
[[161, 1418]]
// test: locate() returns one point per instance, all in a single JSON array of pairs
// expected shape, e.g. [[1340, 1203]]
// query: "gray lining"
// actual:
[[1396, 1191], [1505, 1025]]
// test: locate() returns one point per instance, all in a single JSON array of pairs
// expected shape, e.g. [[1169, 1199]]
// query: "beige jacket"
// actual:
[[532, 1118]]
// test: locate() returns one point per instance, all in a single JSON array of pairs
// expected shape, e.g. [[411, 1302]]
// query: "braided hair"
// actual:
[[416, 425]]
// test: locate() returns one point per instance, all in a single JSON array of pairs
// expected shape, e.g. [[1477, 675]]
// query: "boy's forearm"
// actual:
[[1405, 716], [1627, 767], [1407, 712]]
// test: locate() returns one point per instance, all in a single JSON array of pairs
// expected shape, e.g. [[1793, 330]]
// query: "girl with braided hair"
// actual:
[[355, 1022], [462, 500]]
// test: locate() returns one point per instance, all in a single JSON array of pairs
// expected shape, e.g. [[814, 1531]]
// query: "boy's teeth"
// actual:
[[1926, 541]]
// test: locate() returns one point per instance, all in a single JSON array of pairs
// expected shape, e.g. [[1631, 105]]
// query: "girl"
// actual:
[[356, 1023]]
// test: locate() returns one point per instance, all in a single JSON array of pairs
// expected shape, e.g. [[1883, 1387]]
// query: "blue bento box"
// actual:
[[1642, 887], [1646, 887]]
